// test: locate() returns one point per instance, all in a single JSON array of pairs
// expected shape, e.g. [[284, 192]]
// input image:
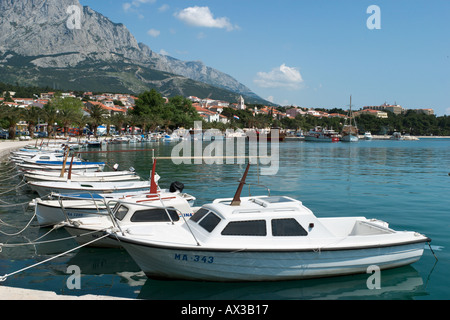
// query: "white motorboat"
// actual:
[[44, 188], [80, 178], [368, 135], [266, 238], [49, 158], [61, 207], [85, 167], [155, 209], [20, 156], [100, 174], [51, 212]]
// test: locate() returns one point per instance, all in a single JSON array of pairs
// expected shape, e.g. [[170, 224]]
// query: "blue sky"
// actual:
[[309, 53]]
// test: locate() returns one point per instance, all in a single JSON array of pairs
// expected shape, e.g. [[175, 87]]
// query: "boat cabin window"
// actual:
[[287, 228], [155, 215], [199, 215], [246, 228], [121, 212], [210, 222]]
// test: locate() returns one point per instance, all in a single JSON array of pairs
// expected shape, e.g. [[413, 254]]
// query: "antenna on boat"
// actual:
[[237, 197], [153, 186]]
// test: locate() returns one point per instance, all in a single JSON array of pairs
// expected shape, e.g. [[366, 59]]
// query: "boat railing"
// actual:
[[114, 219], [156, 206]]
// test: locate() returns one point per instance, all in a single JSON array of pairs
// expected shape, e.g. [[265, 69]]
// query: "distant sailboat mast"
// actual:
[[350, 130]]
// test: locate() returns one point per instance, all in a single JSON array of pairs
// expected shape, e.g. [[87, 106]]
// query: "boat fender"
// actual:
[[176, 186], [311, 226]]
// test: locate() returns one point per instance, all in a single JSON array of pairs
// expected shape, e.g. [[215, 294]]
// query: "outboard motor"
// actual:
[[176, 186]]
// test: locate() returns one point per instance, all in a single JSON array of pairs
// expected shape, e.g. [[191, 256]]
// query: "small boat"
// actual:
[[44, 188], [368, 135], [29, 157], [399, 137], [94, 144], [29, 177], [319, 134], [170, 138], [100, 174], [155, 209], [52, 159], [85, 167], [266, 238]]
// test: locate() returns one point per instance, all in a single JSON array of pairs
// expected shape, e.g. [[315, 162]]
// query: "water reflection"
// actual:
[[402, 283]]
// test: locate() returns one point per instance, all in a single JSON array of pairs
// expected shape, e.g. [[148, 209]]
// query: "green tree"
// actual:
[[10, 115], [96, 117], [50, 115], [31, 116], [69, 110], [118, 120]]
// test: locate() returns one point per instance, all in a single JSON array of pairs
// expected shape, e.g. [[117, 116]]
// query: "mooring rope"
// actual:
[[6, 276], [23, 229], [10, 178], [20, 185]]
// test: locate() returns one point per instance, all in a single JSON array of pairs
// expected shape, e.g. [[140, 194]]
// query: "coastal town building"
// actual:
[[376, 113], [395, 109]]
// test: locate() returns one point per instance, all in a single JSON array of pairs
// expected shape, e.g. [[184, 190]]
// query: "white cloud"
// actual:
[[164, 8], [131, 6], [153, 32], [164, 52], [203, 17], [283, 76]]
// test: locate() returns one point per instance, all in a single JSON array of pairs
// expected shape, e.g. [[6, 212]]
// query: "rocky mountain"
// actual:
[[62, 44]]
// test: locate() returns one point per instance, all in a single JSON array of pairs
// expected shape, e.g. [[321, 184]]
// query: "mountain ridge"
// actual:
[[38, 33]]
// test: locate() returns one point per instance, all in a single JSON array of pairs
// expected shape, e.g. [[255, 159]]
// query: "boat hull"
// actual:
[[77, 168], [242, 265], [49, 215], [35, 178], [84, 236], [321, 139], [44, 189], [350, 138]]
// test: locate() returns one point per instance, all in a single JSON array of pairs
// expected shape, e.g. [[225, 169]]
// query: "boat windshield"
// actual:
[[199, 215], [207, 219]]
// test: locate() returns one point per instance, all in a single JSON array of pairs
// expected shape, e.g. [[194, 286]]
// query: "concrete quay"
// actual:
[[9, 293]]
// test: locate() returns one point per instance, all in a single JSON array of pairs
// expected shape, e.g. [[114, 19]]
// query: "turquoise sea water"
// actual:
[[405, 183]]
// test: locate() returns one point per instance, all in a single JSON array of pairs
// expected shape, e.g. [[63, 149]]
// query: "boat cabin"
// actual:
[[153, 209], [279, 219]]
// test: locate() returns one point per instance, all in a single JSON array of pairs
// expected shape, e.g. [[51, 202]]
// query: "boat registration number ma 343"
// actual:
[[194, 258]]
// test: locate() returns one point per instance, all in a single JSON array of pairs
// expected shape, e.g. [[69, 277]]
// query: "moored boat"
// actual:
[[368, 135], [266, 238], [154, 209], [44, 188], [319, 134], [84, 167]]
